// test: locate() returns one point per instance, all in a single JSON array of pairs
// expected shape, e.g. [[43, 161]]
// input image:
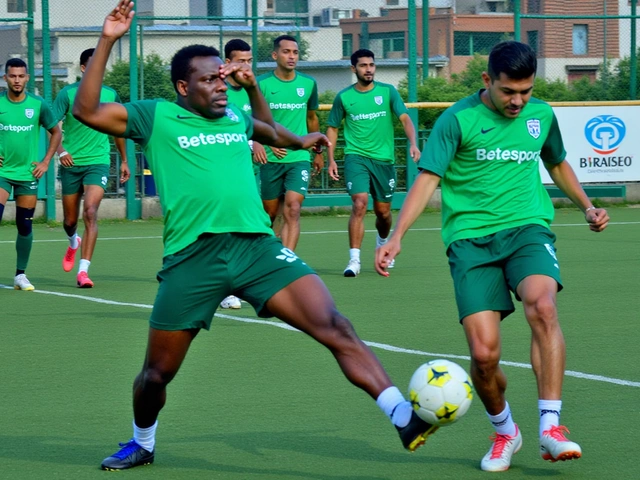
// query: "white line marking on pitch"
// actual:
[[319, 232], [381, 346]]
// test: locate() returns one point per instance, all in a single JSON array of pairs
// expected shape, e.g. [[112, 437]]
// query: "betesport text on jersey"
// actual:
[[515, 155], [211, 139], [16, 128]]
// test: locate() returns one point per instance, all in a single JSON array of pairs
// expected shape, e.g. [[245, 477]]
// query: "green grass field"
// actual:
[[254, 401]]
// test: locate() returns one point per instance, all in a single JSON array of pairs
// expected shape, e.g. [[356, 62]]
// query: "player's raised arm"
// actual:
[[110, 118], [283, 138], [244, 76]]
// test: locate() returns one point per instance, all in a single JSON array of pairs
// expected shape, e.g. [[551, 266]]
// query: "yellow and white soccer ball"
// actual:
[[440, 392]]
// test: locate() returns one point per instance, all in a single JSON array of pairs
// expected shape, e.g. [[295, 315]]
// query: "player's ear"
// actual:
[[227, 60], [182, 86], [353, 69], [274, 55]]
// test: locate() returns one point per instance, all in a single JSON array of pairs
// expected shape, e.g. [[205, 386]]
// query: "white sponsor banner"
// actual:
[[602, 143]]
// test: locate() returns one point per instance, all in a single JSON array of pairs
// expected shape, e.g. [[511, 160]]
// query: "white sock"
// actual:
[[549, 414], [73, 241], [84, 266], [354, 254], [393, 404], [145, 437], [380, 241], [503, 422]]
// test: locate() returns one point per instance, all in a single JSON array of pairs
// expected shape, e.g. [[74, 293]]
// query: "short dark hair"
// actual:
[[16, 63], [276, 42], [515, 59], [181, 61], [86, 55], [235, 45], [362, 53]]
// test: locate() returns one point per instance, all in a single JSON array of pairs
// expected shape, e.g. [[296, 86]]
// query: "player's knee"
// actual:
[[157, 376], [485, 359], [541, 310], [292, 211], [360, 207], [24, 220], [90, 213]]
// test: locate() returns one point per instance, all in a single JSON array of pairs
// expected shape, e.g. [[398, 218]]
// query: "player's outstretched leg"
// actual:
[[165, 352], [307, 305]]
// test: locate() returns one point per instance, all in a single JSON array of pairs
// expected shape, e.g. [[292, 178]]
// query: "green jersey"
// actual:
[[86, 146], [20, 134], [368, 126], [489, 166], [289, 102], [202, 169], [239, 97]]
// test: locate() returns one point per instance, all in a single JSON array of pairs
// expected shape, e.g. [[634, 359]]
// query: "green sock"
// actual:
[[23, 248]]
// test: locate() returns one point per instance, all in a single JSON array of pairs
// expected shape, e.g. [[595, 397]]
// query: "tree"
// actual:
[[156, 76]]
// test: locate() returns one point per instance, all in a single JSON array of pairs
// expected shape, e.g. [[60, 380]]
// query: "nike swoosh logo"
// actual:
[[182, 117], [352, 104], [487, 130], [273, 93], [2, 113]]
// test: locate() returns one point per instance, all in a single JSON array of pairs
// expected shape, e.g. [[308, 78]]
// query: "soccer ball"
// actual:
[[440, 392]]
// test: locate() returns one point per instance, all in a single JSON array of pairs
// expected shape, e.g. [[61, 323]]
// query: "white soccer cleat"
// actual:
[[555, 446], [21, 282], [498, 458], [231, 302], [353, 268]]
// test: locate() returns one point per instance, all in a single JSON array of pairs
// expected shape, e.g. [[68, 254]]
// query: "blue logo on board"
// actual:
[[605, 133]]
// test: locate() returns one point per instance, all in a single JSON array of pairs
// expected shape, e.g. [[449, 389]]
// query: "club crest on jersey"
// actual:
[[533, 126], [378, 99], [231, 115], [29, 112], [300, 92]]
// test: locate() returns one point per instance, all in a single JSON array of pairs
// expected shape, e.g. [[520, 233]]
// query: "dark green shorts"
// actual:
[[486, 269], [195, 280], [20, 187], [365, 175], [74, 178], [278, 178]]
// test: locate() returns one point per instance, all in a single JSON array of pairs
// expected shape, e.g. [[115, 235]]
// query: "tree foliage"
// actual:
[[265, 46]]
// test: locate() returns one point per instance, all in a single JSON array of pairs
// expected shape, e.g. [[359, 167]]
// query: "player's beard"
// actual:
[[16, 92], [364, 81]]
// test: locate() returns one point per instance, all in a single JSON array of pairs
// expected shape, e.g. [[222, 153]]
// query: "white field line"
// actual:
[[320, 232], [381, 346]]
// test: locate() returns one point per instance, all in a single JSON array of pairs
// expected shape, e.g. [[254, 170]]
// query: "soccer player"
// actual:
[[485, 152], [21, 115], [85, 157], [284, 175], [367, 108], [217, 236]]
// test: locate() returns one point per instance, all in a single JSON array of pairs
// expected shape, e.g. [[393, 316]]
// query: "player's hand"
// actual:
[[66, 160], [333, 170], [279, 152], [40, 169], [118, 21], [597, 219], [318, 164], [241, 73], [385, 254], [259, 153], [415, 153], [125, 173], [314, 140]]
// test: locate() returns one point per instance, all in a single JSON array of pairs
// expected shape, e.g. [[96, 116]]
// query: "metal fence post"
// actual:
[[254, 33], [31, 40], [50, 209], [425, 40], [412, 170], [516, 21], [633, 74], [134, 205]]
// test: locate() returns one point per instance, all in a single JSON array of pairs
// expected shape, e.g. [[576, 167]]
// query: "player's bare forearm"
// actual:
[[121, 146], [416, 201], [313, 124], [332, 135], [409, 129], [259, 108], [54, 144], [565, 178]]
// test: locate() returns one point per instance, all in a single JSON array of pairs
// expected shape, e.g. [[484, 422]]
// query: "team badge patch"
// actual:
[[378, 99], [231, 115], [300, 92], [533, 126], [29, 112]]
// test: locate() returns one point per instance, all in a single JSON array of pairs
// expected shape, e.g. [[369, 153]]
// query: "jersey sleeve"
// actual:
[[397, 105], [61, 105], [442, 144], [313, 103], [248, 121], [140, 117], [336, 115], [553, 149], [47, 119], [116, 98]]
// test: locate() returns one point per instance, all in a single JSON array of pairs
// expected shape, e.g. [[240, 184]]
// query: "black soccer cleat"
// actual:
[[130, 455], [415, 433]]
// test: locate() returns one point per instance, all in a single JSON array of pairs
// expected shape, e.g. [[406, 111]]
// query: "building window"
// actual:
[[579, 73], [18, 6], [533, 6], [387, 45], [214, 8], [468, 43], [580, 43], [292, 6], [347, 45], [532, 40]]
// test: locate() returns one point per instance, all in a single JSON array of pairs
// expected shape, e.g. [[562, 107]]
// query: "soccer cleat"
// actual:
[[555, 446], [69, 258], [21, 282], [231, 302], [415, 433], [130, 455], [353, 268], [498, 458], [83, 280]]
